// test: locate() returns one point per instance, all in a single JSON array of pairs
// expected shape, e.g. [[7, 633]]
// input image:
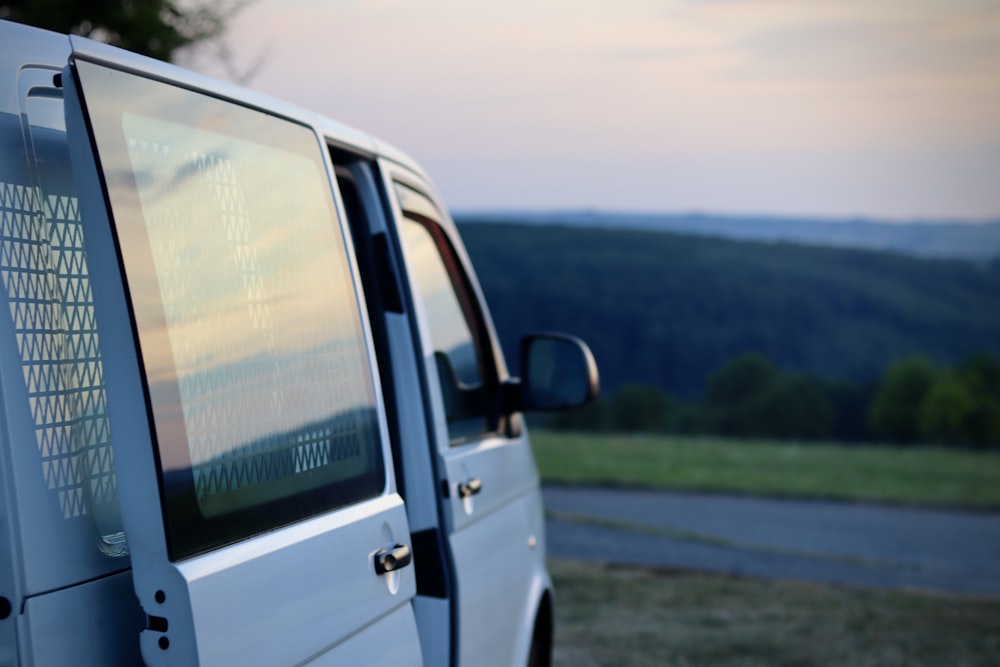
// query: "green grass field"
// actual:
[[915, 475], [647, 618]]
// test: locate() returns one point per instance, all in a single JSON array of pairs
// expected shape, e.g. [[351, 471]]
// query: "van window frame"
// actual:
[[188, 531], [430, 219]]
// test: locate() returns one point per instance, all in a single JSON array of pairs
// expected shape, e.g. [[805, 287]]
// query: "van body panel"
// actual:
[[47, 376], [70, 626], [391, 646], [209, 614], [303, 568]]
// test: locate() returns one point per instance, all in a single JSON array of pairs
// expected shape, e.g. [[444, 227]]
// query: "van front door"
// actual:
[[248, 428], [492, 505]]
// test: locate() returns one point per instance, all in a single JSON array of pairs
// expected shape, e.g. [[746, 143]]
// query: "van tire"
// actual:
[[540, 653]]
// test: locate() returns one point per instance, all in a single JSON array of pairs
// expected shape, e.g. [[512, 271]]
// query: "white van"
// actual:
[[252, 406]]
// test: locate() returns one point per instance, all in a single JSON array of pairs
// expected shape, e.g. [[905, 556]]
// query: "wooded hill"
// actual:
[[667, 310]]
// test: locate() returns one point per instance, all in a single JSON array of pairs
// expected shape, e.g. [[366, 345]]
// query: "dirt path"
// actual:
[[868, 545]]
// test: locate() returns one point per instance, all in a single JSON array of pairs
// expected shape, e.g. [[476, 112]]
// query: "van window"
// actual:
[[256, 364], [457, 333]]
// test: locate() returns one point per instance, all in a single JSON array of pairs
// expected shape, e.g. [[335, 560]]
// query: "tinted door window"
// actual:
[[456, 330], [256, 364]]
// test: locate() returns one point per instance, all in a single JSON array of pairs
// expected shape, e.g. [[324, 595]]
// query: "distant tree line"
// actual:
[[915, 401], [919, 402], [848, 345], [667, 310]]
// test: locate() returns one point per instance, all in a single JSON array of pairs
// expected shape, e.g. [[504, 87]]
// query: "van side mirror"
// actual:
[[558, 372]]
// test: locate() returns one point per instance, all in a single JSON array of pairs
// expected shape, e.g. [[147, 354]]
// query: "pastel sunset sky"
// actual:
[[878, 108]]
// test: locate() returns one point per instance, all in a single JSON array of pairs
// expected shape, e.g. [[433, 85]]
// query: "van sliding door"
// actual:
[[249, 436]]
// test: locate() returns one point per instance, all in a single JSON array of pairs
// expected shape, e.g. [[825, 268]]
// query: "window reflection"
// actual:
[[249, 325], [451, 319], [449, 331]]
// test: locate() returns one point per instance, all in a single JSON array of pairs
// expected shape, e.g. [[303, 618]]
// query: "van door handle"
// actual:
[[470, 487], [390, 560]]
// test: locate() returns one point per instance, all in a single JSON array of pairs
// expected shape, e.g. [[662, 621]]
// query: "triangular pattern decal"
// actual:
[[227, 406], [43, 267]]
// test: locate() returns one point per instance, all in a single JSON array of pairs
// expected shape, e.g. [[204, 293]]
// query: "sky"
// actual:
[[882, 109]]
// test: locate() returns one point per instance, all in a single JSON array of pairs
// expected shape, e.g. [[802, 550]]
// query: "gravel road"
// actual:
[[868, 545]]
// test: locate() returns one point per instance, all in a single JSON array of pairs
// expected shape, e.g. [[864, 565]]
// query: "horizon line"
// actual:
[[694, 214]]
